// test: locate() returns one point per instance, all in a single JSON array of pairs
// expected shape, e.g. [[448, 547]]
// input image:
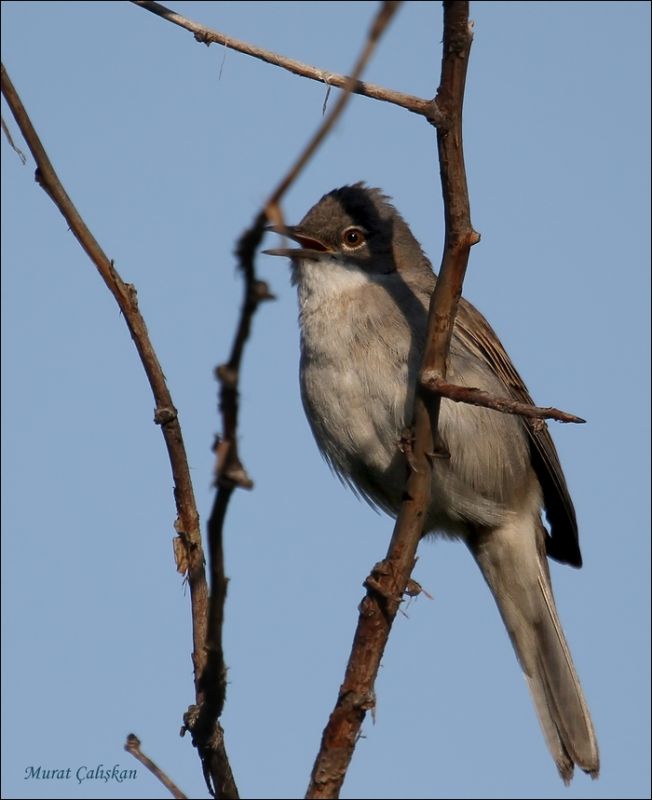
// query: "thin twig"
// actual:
[[478, 397], [205, 35], [17, 150], [230, 472], [132, 746], [389, 580], [191, 556], [378, 26]]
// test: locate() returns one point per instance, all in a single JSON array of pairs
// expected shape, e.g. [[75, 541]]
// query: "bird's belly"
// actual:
[[357, 424], [358, 419]]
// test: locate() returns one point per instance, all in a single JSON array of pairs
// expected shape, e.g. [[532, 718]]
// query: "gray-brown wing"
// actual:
[[562, 544]]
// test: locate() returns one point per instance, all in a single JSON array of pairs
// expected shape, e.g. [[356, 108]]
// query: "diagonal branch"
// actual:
[[132, 746], [188, 546], [378, 26], [388, 581], [208, 36]]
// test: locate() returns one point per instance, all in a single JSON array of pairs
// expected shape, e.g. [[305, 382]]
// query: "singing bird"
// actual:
[[364, 285]]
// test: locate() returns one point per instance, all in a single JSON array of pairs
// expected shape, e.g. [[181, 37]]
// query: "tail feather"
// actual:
[[513, 561]]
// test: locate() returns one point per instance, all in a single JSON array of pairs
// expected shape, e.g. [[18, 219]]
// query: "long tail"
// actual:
[[513, 561]]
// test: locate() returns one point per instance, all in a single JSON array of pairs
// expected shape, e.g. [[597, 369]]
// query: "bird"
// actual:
[[364, 284]]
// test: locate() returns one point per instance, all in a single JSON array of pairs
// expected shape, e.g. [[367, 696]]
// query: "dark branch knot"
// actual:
[[165, 415]]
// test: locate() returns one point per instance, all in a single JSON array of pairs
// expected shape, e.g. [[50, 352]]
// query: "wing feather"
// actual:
[[563, 542]]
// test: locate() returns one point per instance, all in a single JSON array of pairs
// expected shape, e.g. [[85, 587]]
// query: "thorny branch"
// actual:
[[230, 473], [209, 36]]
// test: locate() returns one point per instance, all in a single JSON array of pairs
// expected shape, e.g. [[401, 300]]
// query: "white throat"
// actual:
[[322, 282]]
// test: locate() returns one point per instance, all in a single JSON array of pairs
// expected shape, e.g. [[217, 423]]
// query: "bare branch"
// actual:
[[203, 720], [417, 105], [133, 746], [17, 150], [188, 547], [230, 472], [389, 579], [478, 397], [187, 524], [380, 23]]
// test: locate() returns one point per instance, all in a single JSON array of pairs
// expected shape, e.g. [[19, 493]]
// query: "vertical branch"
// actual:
[[203, 720], [388, 581], [459, 233]]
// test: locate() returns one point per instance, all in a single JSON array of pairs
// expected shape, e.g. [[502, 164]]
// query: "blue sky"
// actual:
[[168, 149]]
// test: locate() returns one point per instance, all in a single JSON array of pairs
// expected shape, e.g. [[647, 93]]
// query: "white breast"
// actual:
[[347, 368], [358, 368]]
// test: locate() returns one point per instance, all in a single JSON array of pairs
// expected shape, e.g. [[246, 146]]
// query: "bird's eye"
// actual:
[[353, 238]]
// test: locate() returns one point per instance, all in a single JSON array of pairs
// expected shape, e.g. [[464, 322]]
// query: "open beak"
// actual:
[[310, 246]]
